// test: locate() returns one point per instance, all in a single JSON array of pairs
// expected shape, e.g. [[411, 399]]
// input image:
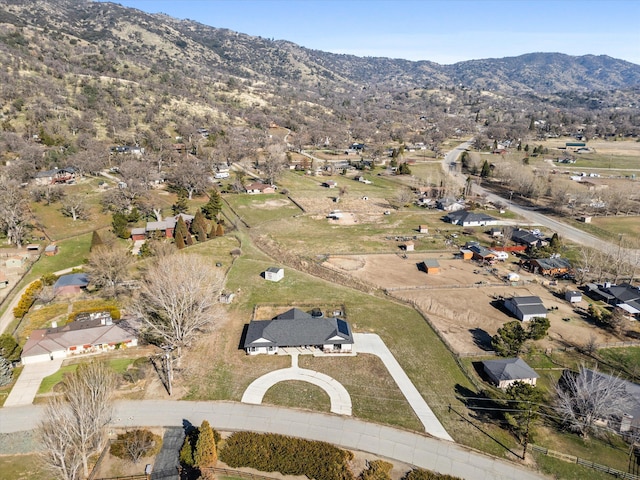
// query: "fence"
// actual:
[[585, 463]]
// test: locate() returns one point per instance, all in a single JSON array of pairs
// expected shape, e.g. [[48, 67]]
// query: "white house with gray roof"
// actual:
[[526, 308], [295, 328], [507, 371]]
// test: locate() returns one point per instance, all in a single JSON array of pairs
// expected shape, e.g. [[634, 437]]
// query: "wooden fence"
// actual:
[[585, 463]]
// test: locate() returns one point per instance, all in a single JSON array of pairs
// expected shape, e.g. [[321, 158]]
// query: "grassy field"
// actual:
[[609, 228], [21, 467]]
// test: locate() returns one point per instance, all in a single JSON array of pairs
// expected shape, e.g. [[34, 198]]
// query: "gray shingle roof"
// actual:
[[509, 369], [297, 328], [73, 279]]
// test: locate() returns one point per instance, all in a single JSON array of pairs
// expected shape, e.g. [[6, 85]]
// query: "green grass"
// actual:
[[119, 365], [72, 252], [21, 467]]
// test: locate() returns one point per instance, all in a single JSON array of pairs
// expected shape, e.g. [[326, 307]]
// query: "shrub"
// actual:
[[420, 474], [290, 456], [377, 470], [28, 298], [136, 444]]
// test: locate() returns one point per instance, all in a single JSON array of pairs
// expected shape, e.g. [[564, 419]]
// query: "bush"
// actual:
[[113, 310], [136, 444], [290, 456], [28, 298], [420, 474]]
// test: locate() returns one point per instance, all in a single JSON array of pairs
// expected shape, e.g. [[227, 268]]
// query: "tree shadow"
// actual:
[[483, 410], [481, 338]]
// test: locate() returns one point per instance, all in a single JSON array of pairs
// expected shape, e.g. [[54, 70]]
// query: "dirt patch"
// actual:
[[362, 206], [464, 301], [271, 204]]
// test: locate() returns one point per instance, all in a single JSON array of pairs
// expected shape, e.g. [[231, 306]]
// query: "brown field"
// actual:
[[462, 301], [623, 147]]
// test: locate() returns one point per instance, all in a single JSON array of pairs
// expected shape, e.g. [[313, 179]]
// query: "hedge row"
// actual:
[[28, 298], [270, 452], [420, 474]]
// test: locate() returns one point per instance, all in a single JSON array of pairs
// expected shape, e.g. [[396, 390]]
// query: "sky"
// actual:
[[442, 31]]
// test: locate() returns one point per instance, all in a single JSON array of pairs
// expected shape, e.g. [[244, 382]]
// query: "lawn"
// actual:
[[609, 228], [119, 366], [21, 467]]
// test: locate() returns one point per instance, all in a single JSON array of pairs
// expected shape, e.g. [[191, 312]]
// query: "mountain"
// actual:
[[146, 37]]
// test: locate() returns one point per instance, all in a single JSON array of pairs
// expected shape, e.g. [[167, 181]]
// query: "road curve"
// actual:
[[401, 445], [532, 217]]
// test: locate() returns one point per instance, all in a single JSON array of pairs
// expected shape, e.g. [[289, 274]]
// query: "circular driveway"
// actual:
[[340, 399]]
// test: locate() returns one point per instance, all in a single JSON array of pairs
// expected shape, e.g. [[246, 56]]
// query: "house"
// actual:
[[526, 308], [466, 218], [164, 227], [481, 253], [71, 284], [275, 274], [87, 336], [15, 261], [257, 188], [330, 184], [525, 237], [573, 296], [298, 329], [552, 266], [51, 250], [423, 229], [624, 296], [449, 204], [630, 421], [55, 176], [4, 281], [507, 371], [431, 266]]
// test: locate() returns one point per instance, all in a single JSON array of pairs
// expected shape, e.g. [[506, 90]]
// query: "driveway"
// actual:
[[28, 383], [338, 395], [387, 442]]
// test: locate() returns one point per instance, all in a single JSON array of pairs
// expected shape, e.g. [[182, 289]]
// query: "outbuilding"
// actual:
[[431, 266], [274, 274], [573, 296]]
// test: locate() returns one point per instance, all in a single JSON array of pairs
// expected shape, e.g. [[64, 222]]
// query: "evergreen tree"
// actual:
[[188, 239], [96, 241], [554, 243], [205, 454], [180, 242], [219, 230], [212, 208], [181, 229], [538, 327], [486, 170], [186, 452], [201, 232], [119, 225], [214, 229], [182, 203], [509, 339], [9, 348]]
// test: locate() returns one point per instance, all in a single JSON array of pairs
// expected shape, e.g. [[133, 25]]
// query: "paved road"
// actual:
[[534, 218], [408, 447]]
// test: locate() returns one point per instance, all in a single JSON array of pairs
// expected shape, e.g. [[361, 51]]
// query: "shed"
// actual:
[[466, 254], [138, 234], [4, 282], [573, 296], [51, 250], [409, 246], [526, 308], [33, 248], [71, 284], [423, 229], [431, 266], [274, 274]]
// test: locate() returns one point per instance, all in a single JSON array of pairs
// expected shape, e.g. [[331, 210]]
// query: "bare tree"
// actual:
[[73, 427], [274, 162], [177, 299], [108, 267], [74, 206], [587, 397], [13, 212], [193, 178]]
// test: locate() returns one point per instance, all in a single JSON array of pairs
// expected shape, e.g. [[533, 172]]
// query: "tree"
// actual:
[[403, 169], [186, 452], [74, 206], [205, 454], [486, 169], [136, 444], [182, 203], [73, 426], [199, 226], [108, 267], [220, 230], [509, 339], [192, 179], [9, 348], [14, 212], [524, 402], [273, 163], [177, 299], [588, 397], [119, 224], [538, 327], [212, 208], [6, 372]]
